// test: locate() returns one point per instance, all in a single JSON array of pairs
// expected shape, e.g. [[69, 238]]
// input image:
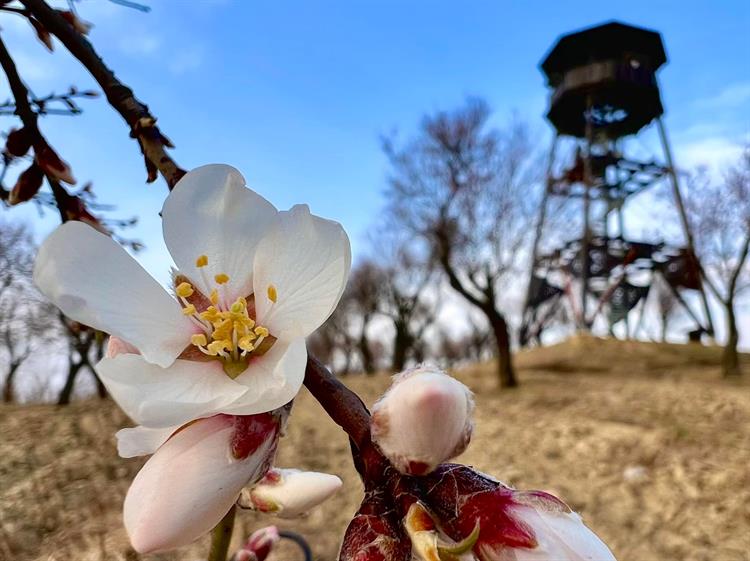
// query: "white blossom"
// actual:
[[251, 283]]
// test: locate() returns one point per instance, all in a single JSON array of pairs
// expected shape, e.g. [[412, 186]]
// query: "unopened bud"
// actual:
[[259, 545], [18, 142], [28, 185], [424, 419], [289, 493]]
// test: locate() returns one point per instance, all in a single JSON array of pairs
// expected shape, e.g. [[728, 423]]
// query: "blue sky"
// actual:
[[296, 94]]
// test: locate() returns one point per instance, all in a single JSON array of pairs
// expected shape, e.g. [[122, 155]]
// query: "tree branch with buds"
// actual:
[[136, 114]]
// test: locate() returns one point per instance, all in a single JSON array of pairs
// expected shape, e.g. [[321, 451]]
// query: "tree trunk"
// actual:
[[400, 347], [365, 352], [730, 360], [9, 387], [67, 390], [101, 390], [505, 371]]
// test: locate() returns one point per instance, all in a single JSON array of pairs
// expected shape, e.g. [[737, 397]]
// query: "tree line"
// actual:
[[460, 205]]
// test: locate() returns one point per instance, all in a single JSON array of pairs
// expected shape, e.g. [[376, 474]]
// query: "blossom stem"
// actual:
[[343, 405], [221, 535]]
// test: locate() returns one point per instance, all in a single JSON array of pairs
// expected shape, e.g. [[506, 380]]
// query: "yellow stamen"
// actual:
[[210, 314], [221, 278], [217, 347], [214, 297], [202, 261], [189, 310], [261, 331], [272, 295], [199, 340], [184, 289], [246, 344]]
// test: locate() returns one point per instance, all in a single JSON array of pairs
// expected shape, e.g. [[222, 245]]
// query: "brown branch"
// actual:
[[136, 114], [732, 290], [29, 119], [343, 405], [20, 92]]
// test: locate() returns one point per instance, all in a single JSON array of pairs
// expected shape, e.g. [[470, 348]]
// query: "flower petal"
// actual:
[[561, 536], [93, 280], [272, 380], [141, 441], [162, 397], [188, 485], [306, 261], [211, 212]]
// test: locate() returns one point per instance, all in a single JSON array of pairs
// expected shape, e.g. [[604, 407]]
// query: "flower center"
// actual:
[[229, 333]]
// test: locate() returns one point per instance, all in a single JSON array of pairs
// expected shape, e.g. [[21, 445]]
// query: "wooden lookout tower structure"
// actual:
[[603, 91]]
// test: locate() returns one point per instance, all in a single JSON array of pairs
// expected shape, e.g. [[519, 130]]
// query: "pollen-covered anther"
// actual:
[[189, 310], [185, 290], [199, 340], [221, 278], [272, 294], [202, 261]]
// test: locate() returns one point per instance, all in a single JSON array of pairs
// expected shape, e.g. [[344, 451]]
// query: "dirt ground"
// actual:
[[644, 440]]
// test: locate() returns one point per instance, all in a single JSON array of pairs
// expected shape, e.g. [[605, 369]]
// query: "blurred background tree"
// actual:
[[469, 192]]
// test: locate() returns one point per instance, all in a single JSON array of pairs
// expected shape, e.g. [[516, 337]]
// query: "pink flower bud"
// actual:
[[374, 534], [259, 545], [289, 493], [195, 477], [423, 420], [519, 525]]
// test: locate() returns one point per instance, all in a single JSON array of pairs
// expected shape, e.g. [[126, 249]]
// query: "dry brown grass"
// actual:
[[588, 412]]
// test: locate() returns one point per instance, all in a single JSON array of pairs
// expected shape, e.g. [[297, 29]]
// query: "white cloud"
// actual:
[[187, 59], [715, 152], [731, 96], [139, 44]]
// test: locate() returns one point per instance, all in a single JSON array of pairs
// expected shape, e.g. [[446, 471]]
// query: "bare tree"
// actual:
[[667, 303], [362, 297], [335, 343], [26, 319], [468, 191], [406, 279], [720, 217], [85, 347]]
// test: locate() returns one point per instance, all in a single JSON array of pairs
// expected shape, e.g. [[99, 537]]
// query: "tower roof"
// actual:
[[601, 42]]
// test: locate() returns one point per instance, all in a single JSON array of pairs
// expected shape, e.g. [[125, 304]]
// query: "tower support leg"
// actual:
[[683, 217]]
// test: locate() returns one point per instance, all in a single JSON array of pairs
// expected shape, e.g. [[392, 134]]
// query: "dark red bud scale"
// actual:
[[18, 142], [374, 534], [28, 185]]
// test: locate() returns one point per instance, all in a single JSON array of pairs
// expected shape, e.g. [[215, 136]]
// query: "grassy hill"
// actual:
[[644, 440]]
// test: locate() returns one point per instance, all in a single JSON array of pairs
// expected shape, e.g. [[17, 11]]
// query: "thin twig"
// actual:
[[136, 114]]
